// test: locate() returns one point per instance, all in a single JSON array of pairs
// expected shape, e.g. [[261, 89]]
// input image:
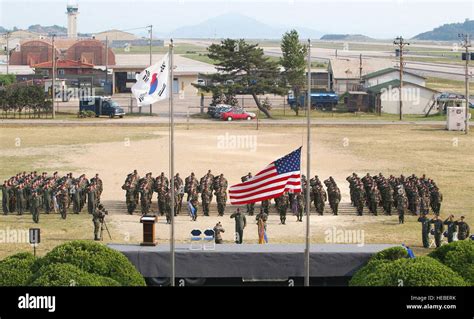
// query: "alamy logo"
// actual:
[[37, 302]]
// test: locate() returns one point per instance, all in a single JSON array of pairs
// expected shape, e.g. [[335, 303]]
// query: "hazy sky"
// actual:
[[381, 19]]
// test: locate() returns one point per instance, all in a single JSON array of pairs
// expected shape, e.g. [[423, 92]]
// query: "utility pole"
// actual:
[[7, 36], [53, 76], [466, 43], [308, 169], [107, 62], [401, 43], [360, 68]]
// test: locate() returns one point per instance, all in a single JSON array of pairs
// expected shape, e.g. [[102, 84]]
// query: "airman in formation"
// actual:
[[35, 192]]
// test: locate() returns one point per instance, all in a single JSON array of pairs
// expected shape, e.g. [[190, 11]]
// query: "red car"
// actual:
[[237, 114]]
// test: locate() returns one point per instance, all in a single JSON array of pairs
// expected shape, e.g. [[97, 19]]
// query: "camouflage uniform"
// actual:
[[5, 198], [20, 200], [34, 206], [463, 229], [206, 193], [220, 187], [251, 206], [282, 203], [62, 199], [161, 186], [98, 218], [334, 194], [99, 185], [265, 205], [359, 196], [179, 185], [320, 197], [401, 205], [299, 198], [91, 198], [47, 198]]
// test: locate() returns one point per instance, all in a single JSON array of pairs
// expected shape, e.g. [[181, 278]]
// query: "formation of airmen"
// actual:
[[34, 192], [414, 194], [142, 189]]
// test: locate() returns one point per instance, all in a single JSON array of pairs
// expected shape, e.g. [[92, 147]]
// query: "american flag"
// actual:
[[280, 176]]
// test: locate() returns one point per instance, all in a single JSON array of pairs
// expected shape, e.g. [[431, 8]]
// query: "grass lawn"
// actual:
[[201, 57], [288, 114], [54, 231], [445, 85], [28, 147], [445, 156]]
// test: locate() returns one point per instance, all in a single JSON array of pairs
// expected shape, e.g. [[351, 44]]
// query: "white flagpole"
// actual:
[[170, 92], [308, 169]]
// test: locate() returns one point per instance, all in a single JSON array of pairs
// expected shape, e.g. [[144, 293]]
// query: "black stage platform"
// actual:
[[250, 260]]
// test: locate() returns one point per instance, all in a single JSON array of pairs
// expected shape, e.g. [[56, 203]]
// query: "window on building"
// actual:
[[61, 72], [131, 75]]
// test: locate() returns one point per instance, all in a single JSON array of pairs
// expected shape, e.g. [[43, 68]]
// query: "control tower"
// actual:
[[72, 12]]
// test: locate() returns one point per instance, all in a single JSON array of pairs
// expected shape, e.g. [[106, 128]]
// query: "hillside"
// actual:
[[47, 30], [346, 37], [235, 25], [447, 32]]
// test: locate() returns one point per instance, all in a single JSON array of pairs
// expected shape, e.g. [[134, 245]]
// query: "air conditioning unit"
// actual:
[[456, 117]]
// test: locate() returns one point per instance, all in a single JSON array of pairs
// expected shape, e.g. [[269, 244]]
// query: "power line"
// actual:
[[466, 43], [401, 43]]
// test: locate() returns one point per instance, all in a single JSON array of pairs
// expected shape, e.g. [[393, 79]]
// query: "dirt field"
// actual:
[[337, 151]]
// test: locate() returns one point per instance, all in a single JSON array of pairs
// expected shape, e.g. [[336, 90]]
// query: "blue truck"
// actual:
[[319, 100], [101, 105]]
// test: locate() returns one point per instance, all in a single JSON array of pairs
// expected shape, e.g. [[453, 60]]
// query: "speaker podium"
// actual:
[[148, 222]]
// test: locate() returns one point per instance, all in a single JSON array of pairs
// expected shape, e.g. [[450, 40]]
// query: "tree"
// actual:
[[293, 61], [7, 79], [243, 69]]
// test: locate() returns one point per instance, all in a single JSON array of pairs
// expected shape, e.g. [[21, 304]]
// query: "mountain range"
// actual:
[[448, 32], [347, 37], [236, 25]]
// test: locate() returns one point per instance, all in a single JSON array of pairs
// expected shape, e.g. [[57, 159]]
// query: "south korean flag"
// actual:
[[152, 83]]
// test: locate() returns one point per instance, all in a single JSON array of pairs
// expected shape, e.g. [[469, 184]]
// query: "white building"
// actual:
[[416, 99], [390, 74]]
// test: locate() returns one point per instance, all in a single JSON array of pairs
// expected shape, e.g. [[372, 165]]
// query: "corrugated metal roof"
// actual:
[[348, 68]]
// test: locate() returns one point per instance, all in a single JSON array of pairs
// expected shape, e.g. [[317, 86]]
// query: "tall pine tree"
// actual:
[[294, 64], [243, 69]]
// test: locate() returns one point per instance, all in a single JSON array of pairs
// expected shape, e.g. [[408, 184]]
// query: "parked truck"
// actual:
[[319, 100], [101, 105]]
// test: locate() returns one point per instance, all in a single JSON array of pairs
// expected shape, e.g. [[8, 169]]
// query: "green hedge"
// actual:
[[420, 271], [58, 274], [392, 253], [16, 270], [459, 256], [94, 258]]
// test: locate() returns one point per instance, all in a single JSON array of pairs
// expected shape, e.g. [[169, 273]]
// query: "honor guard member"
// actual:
[[438, 229], [463, 229], [451, 224], [425, 230]]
